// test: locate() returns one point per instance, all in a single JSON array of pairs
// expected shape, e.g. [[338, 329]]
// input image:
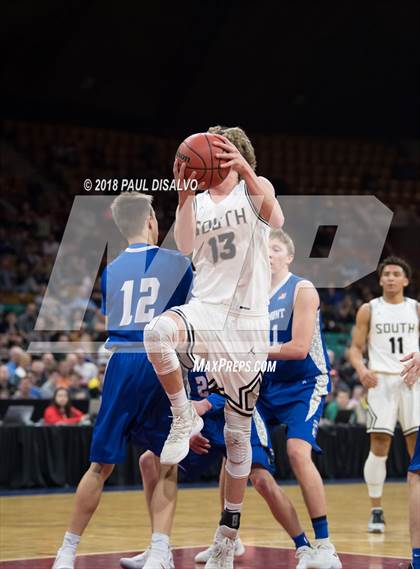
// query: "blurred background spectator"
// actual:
[[61, 412]]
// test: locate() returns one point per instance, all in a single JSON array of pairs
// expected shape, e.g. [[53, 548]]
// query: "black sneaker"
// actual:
[[376, 521]]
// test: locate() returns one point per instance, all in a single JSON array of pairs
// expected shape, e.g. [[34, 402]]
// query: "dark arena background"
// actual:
[[101, 91]]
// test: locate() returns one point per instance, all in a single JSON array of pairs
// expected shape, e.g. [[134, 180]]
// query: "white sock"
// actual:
[[70, 541], [233, 507], [375, 474], [160, 544], [178, 399], [323, 541]]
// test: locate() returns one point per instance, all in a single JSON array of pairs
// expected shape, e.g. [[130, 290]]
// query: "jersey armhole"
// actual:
[[254, 209]]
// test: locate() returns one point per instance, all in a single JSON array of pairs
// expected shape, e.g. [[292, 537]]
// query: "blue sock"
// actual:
[[320, 526], [416, 558], [301, 540]]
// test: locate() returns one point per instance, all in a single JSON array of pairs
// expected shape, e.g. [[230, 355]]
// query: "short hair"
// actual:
[[284, 238], [237, 136], [395, 261], [130, 211]]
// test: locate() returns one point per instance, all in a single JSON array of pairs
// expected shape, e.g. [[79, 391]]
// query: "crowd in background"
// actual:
[[42, 169]]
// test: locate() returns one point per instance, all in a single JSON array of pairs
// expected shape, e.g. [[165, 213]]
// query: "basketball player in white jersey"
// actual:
[[226, 229], [390, 327]]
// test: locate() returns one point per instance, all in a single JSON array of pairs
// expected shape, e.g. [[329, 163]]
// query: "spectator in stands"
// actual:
[[61, 412], [49, 362], [23, 365], [38, 372], [14, 356], [27, 389], [76, 389], [8, 325], [50, 386], [64, 371], [345, 310], [26, 321], [4, 382], [341, 402], [332, 296], [85, 367]]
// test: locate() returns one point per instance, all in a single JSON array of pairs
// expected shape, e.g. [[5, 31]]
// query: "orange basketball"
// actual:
[[198, 152]]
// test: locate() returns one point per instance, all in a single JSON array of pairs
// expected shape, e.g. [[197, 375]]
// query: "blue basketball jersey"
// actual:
[[141, 283], [316, 365]]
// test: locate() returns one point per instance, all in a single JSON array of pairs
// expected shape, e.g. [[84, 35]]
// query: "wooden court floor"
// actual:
[[33, 526]]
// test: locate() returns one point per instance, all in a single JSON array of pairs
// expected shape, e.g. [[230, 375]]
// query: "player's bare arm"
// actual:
[[184, 230], [304, 318], [358, 345], [259, 187]]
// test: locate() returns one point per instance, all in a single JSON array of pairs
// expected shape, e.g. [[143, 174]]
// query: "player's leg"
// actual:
[[160, 489], [204, 556], [384, 402], [237, 433], [123, 379], [88, 495], [299, 453], [149, 469], [410, 441], [375, 475], [375, 467], [300, 407], [162, 337], [280, 505]]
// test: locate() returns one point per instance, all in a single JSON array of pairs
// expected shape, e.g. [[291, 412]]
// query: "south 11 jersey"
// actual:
[[393, 333], [316, 366], [231, 253]]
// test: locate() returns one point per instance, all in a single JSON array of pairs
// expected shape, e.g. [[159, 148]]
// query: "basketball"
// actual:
[[199, 154]]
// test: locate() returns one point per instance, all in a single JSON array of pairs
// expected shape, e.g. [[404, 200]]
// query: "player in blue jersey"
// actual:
[[295, 392], [412, 371], [135, 288]]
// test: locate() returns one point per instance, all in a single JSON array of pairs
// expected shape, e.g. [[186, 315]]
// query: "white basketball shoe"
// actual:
[[186, 422]]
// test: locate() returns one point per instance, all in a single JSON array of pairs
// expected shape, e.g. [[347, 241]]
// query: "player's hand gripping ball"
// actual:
[[196, 159]]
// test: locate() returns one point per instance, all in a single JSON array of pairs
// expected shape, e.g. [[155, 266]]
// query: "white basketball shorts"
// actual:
[[391, 401], [231, 348]]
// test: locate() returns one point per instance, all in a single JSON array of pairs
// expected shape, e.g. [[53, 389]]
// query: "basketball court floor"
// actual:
[[32, 527]]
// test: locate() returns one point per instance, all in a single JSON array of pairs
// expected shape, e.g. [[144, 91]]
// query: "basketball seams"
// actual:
[[198, 149], [197, 154]]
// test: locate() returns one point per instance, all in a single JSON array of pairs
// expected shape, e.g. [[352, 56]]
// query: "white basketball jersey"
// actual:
[[231, 253], [394, 333]]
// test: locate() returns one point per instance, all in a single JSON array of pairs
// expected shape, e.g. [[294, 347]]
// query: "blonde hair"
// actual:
[[284, 238], [237, 137], [130, 211]]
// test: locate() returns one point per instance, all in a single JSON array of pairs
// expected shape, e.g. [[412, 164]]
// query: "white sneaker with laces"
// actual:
[[136, 562], [156, 561], [325, 557], [184, 425], [222, 555], [65, 559], [304, 555], [204, 556]]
